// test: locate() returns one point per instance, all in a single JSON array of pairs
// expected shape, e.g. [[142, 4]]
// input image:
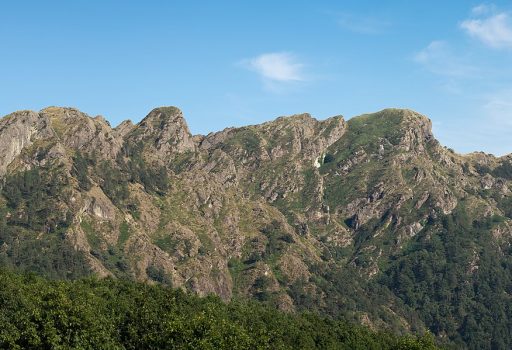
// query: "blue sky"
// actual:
[[233, 63]]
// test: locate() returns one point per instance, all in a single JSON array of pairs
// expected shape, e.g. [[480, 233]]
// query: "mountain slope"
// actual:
[[370, 218]]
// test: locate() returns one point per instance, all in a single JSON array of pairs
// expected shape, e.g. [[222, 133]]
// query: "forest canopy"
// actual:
[[89, 313]]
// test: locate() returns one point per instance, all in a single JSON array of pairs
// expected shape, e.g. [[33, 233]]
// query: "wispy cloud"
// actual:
[[278, 71], [362, 24], [483, 9], [439, 58], [277, 67], [492, 28]]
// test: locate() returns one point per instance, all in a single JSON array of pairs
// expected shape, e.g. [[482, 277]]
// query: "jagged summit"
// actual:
[[166, 128], [164, 131], [397, 117], [161, 116]]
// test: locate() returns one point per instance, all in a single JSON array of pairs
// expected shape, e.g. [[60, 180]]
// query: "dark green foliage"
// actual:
[[158, 275], [153, 177], [114, 177], [329, 158], [482, 169], [124, 233], [33, 225], [52, 256], [504, 171], [458, 282], [278, 239], [114, 183], [33, 198], [109, 314], [505, 204], [81, 172], [454, 277], [260, 288]]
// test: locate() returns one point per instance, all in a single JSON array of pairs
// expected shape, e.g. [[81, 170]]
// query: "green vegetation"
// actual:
[[124, 233], [154, 178], [457, 282], [52, 256], [80, 171], [33, 225], [247, 138], [504, 170], [114, 182], [33, 198], [328, 158], [158, 275], [130, 166], [453, 277], [111, 256], [277, 239], [113, 314], [366, 132]]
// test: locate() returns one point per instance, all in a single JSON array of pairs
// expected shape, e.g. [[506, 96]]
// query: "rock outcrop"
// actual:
[[18, 131]]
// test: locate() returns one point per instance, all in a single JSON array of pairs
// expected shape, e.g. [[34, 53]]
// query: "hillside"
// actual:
[[370, 219]]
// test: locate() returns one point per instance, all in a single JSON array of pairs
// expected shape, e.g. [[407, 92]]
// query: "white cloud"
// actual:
[[277, 67], [491, 28], [438, 57], [483, 9]]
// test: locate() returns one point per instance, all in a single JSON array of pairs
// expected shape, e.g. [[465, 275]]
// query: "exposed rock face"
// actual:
[[123, 129], [277, 211], [18, 131], [76, 130], [164, 132]]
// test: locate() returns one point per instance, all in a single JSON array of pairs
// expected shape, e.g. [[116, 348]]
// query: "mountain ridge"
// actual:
[[369, 219]]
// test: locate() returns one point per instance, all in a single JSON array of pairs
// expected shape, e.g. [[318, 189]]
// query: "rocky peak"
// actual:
[[18, 131], [417, 126], [332, 129], [124, 128], [402, 128], [294, 135], [78, 131], [165, 131]]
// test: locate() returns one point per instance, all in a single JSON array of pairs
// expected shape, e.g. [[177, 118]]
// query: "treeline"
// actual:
[[112, 314]]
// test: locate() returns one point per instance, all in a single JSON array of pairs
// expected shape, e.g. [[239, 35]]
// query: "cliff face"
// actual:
[[17, 132], [296, 212]]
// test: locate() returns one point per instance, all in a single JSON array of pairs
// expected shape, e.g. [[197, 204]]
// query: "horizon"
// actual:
[[222, 67]]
